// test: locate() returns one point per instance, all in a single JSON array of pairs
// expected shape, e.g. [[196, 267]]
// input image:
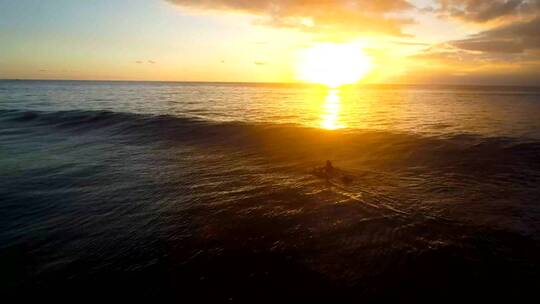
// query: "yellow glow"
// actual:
[[333, 64], [332, 107]]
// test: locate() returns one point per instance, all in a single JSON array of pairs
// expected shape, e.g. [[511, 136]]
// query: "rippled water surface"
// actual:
[[185, 192]]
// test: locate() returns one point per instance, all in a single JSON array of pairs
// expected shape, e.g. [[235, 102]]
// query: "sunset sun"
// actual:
[[333, 65]]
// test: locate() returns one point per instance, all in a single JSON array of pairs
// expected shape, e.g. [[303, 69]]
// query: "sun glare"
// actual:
[[332, 109], [333, 65]]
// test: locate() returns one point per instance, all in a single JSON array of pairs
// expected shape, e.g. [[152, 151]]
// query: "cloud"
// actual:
[[450, 55], [529, 29], [259, 63], [509, 47], [445, 63], [317, 16], [147, 61], [481, 11], [490, 45], [514, 37]]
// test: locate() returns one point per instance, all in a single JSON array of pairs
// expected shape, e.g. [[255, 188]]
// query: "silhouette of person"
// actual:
[[329, 169]]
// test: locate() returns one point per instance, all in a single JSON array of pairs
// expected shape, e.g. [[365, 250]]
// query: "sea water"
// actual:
[[203, 191]]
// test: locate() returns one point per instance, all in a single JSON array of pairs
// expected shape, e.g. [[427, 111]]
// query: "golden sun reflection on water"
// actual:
[[330, 118]]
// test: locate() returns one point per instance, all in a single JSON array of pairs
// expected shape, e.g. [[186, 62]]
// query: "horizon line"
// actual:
[[274, 83]]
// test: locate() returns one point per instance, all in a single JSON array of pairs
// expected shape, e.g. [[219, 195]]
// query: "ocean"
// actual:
[[189, 192]]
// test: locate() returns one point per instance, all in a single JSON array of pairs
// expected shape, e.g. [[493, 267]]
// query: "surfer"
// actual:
[[329, 173], [332, 174], [329, 165], [329, 169], [326, 172]]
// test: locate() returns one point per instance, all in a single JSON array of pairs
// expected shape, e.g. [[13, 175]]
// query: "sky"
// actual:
[[491, 42]]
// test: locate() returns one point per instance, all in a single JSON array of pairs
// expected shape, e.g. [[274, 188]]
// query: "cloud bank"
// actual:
[[318, 16], [512, 34], [480, 11], [516, 37]]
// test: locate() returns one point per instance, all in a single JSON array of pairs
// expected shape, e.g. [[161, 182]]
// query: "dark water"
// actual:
[[193, 192]]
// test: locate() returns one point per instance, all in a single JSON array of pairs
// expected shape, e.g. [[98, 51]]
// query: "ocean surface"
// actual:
[[203, 192]]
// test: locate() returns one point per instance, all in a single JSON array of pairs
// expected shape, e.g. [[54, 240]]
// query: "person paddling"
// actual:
[[328, 170]]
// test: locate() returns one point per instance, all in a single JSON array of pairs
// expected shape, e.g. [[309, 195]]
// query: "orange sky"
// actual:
[[415, 41]]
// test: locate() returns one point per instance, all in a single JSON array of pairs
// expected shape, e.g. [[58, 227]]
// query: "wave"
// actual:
[[294, 142]]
